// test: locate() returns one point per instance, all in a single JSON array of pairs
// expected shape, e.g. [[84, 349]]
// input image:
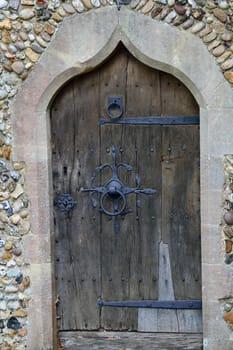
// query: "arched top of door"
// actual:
[[127, 79], [85, 40]]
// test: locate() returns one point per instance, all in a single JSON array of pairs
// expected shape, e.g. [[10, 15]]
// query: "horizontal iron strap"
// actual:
[[168, 120], [162, 304]]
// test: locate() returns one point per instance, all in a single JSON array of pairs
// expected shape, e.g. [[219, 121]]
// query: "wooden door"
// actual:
[[156, 253]]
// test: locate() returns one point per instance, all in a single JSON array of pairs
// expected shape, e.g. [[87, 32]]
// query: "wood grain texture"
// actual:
[[130, 258], [76, 234], [176, 99], [143, 92], [180, 208], [190, 321], [170, 321], [92, 261], [117, 249], [130, 341], [166, 290]]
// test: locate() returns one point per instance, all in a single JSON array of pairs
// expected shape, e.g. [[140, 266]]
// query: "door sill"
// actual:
[[106, 340]]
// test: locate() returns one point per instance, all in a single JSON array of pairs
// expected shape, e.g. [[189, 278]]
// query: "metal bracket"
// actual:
[[114, 192]]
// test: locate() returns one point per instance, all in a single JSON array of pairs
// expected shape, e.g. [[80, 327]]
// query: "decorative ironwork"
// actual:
[[114, 107], [64, 202], [113, 193], [169, 120], [162, 304]]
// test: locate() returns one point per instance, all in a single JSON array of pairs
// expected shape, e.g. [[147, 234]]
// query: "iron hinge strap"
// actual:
[[154, 120], [162, 304]]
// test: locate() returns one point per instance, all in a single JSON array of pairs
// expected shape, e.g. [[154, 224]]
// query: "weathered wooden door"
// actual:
[[156, 253]]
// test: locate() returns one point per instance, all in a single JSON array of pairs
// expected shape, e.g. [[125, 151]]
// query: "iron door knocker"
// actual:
[[114, 192]]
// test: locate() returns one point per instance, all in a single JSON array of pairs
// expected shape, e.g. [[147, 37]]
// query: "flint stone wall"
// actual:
[[29, 79]]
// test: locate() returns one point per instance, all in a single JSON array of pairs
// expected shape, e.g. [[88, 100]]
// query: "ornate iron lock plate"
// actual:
[[64, 202], [113, 193]]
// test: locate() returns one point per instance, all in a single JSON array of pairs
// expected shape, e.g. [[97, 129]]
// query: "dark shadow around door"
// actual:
[[155, 254]]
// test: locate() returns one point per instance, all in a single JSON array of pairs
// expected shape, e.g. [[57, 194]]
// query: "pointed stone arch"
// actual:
[[81, 44]]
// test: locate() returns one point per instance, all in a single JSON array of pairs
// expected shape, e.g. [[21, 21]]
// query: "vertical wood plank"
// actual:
[[148, 227], [166, 290], [143, 95], [167, 321], [116, 248], [170, 321], [190, 321], [113, 77], [147, 320], [180, 208], [161, 320], [76, 234], [176, 99]]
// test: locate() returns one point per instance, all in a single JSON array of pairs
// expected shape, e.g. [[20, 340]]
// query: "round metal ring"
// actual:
[[112, 213], [115, 106]]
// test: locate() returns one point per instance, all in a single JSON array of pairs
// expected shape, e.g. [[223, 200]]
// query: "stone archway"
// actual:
[[83, 42]]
